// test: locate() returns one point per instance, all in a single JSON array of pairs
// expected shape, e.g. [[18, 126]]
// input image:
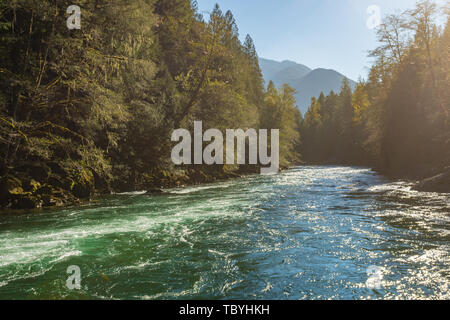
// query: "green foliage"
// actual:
[[279, 112], [397, 121], [95, 108]]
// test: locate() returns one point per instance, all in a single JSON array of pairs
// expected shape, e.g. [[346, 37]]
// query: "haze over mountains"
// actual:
[[307, 82]]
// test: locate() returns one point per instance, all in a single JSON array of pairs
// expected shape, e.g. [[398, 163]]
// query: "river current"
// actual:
[[307, 233]]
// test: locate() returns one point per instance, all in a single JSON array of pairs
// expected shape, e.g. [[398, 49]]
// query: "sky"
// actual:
[[331, 34]]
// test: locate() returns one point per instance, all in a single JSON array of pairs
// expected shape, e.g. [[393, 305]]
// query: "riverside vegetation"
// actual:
[[91, 111], [397, 120]]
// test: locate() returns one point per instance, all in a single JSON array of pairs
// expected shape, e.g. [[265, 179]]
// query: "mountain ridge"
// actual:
[[306, 81]]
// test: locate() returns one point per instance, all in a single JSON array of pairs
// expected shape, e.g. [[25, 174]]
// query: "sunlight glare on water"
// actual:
[[308, 233]]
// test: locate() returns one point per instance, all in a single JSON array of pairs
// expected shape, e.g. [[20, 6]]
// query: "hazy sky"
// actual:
[[330, 34]]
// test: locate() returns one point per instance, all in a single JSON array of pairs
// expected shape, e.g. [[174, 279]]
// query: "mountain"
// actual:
[[315, 82], [308, 83], [282, 72]]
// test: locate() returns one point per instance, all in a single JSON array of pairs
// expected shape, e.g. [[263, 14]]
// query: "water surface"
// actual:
[[308, 233]]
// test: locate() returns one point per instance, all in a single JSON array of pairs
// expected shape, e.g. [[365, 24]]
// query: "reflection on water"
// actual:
[[308, 233]]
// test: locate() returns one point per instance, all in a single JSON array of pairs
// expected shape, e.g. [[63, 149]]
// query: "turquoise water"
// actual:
[[308, 233]]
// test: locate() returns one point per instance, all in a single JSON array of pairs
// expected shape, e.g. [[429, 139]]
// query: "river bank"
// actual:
[[22, 192], [28, 194], [424, 179]]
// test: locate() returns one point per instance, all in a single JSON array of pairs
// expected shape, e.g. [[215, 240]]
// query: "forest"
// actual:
[[397, 120], [91, 111]]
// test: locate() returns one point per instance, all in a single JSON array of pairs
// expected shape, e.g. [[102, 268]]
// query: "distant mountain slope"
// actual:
[[308, 83], [281, 72], [315, 82]]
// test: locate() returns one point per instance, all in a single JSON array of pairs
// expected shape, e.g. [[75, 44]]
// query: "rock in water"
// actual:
[[439, 183], [154, 191]]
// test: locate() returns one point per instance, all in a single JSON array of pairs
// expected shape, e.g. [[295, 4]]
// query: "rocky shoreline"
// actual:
[[26, 193], [439, 183]]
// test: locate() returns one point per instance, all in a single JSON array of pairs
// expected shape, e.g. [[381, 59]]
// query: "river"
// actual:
[[307, 233]]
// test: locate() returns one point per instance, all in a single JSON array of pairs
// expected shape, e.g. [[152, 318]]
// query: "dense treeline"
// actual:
[[398, 120], [92, 110]]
